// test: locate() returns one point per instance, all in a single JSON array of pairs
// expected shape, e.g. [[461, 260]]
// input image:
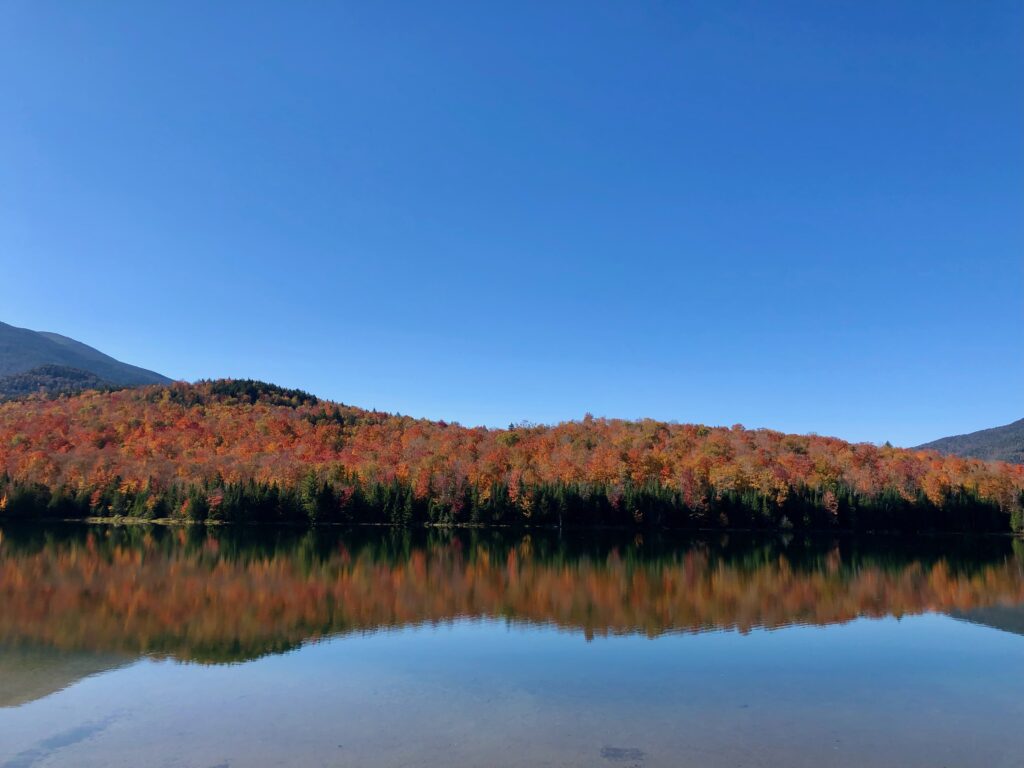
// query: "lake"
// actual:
[[150, 646]]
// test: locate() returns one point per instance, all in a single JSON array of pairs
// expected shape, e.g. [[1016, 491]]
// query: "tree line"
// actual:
[[244, 451], [314, 501]]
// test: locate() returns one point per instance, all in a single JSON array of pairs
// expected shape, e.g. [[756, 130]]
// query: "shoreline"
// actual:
[[169, 522]]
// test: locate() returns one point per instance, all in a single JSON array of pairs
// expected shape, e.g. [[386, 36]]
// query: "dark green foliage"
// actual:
[[1017, 516], [346, 499], [250, 391], [51, 380]]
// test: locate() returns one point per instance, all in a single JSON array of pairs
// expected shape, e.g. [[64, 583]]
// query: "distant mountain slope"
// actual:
[[996, 444], [52, 379], [22, 350]]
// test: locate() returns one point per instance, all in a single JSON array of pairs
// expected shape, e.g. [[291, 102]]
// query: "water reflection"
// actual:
[[31, 672], [471, 648], [236, 594]]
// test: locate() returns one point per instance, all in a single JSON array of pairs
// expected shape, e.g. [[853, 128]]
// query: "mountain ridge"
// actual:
[[51, 380], [1005, 443], [23, 350]]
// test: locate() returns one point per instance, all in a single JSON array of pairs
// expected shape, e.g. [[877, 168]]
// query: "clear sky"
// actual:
[[804, 216]]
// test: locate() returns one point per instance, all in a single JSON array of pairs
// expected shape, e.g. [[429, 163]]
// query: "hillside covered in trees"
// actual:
[[1004, 443], [247, 451], [50, 380]]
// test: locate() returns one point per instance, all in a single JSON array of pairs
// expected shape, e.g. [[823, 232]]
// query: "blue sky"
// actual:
[[804, 216]]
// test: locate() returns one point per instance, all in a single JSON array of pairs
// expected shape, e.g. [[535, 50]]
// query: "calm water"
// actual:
[[135, 647]]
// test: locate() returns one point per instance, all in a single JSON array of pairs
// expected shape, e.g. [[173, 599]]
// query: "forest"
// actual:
[[245, 451]]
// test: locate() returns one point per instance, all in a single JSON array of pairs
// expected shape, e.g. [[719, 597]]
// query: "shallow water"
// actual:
[[367, 648]]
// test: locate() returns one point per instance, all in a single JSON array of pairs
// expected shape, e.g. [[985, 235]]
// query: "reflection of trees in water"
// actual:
[[229, 595]]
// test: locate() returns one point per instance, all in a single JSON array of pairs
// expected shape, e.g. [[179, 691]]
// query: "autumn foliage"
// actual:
[[242, 450]]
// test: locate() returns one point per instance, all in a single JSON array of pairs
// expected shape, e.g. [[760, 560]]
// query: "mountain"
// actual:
[[996, 444], [244, 450], [22, 350], [52, 379]]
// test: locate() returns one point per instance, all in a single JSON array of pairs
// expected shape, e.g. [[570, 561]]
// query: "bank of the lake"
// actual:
[[243, 451]]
